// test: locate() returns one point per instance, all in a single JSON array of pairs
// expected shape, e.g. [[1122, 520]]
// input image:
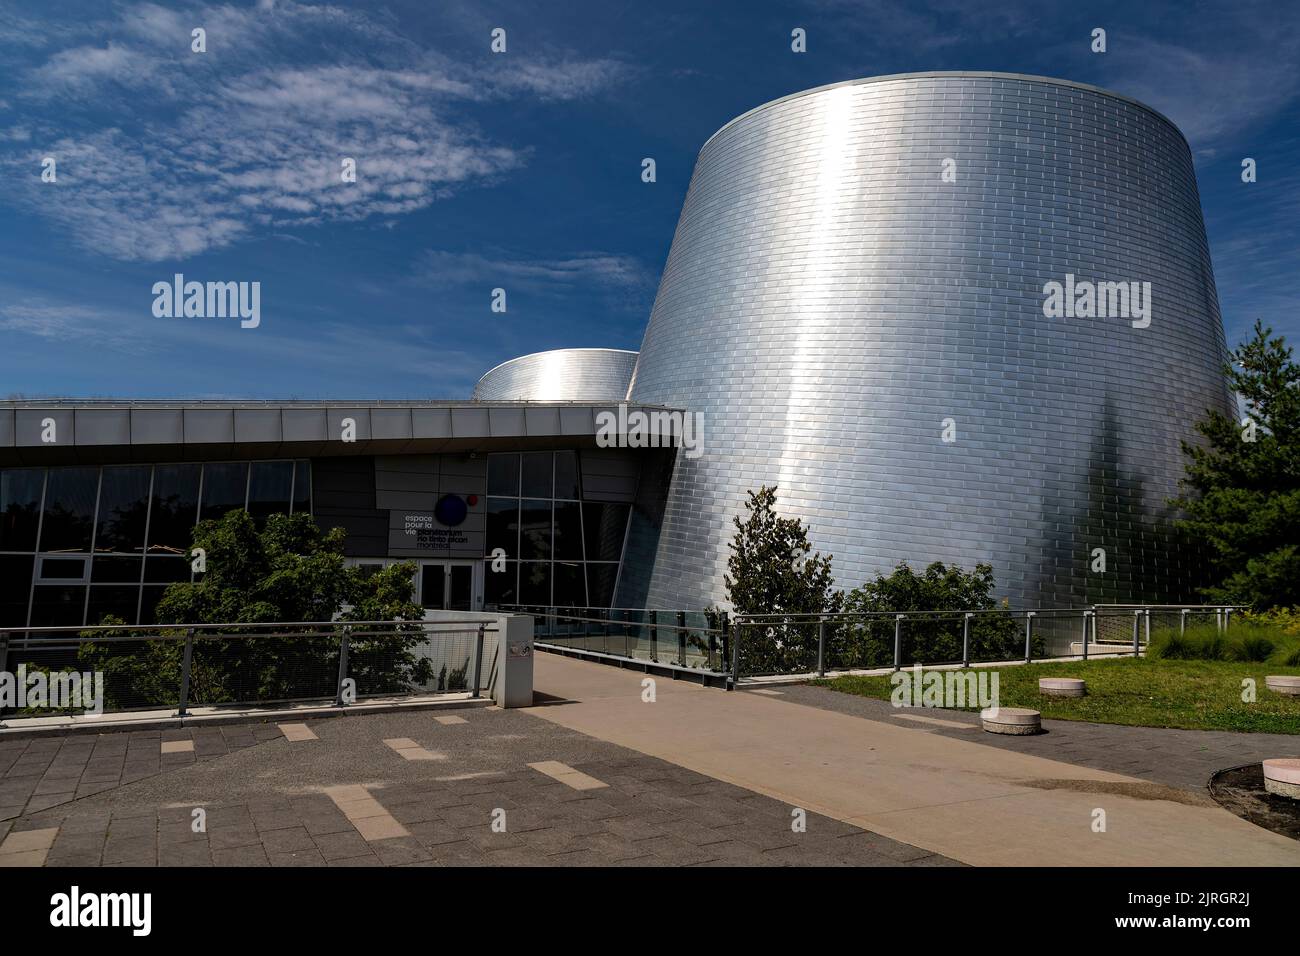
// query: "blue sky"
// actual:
[[519, 170]]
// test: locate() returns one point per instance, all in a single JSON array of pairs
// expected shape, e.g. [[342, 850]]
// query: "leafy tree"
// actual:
[[287, 570], [1242, 490], [773, 569], [940, 587]]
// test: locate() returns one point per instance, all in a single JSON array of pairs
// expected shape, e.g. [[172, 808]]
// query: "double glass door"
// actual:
[[447, 585]]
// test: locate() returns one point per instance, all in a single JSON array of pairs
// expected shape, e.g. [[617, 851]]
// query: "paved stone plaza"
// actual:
[[345, 795]]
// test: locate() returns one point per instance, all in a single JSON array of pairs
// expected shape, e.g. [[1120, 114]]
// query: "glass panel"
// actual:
[[57, 605], [433, 581], [225, 487], [535, 583], [123, 508], [20, 507], [568, 530], [461, 587], [62, 569], [604, 526], [15, 588], [570, 588], [269, 488], [302, 487], [114, 570], [69, 509], [503, 475], [500, 587], [119, 601], [158, 570], [600, 584], [566, 474], [503, 526], [175, 508], [537, 480], [149, 598], [535, 529]]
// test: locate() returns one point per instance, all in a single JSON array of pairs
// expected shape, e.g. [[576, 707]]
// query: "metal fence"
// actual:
[[179, 667], [758, 645], [773, 644]]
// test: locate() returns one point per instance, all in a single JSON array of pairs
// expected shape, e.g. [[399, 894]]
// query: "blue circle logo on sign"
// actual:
[[450, 510]]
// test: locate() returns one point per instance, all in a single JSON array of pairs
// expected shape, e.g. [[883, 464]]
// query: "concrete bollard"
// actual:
[[1282, 777], [1062, 686], [1285, 684], [1016, 721]]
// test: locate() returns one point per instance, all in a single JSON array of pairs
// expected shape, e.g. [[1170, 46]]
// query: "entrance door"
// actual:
[[448, 585]]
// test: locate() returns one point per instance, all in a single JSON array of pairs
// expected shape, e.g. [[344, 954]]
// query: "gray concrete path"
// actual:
[[980, 804]]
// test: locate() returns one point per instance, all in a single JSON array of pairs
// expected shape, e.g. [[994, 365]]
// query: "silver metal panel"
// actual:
[[28, 427], [431, 422], [507, 421], [560, 375], [103, 426], [305, 424], [577, 420], [209, 426], [157, 426], [391, 423], [542, 420], [256, 425], [6, 428], [829, 300]]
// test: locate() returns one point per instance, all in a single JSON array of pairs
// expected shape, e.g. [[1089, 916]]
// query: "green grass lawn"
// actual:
[[1191, 694]]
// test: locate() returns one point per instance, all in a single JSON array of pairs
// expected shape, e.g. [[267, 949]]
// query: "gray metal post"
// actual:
[[1137, 616], [343, 667], [478, 661], [821, 648], [1182, 622], [965, 639], [1085, 634], [1029, 634], [681, 638], [187, 658], [898, 642], [1227, 618], [735, 655], [727, 641], [654, 636], [1146, 626]]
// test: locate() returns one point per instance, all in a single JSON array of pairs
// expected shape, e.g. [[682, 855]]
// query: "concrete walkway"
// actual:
[[979, 804]]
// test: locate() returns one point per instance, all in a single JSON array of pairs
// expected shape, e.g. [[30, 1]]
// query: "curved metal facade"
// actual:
[[831, 299], [561, 375]]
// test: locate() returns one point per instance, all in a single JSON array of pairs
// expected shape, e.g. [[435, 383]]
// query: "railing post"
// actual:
[[735, 656], [681, 638], [4, 660], [478, 660], [627, 634], [344, 641], [713, 640], [1137, 616], [898, 642], [1227, 618], [965, 639], [821, 648], [1029, 635], [654, 636], [1086, 614], [1182, 622], [187, 658], [1146, 626], [725, 624]]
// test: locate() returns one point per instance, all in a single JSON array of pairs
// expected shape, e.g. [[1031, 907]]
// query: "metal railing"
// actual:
[[693, 640], [773, 644], [178, 667]]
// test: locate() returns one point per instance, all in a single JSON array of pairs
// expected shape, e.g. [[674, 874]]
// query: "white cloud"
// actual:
[[203, 150], [591, 269]]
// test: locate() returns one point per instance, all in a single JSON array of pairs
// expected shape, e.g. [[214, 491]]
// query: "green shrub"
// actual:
[[1249, 640], [1293, 659], [1253, 648]]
